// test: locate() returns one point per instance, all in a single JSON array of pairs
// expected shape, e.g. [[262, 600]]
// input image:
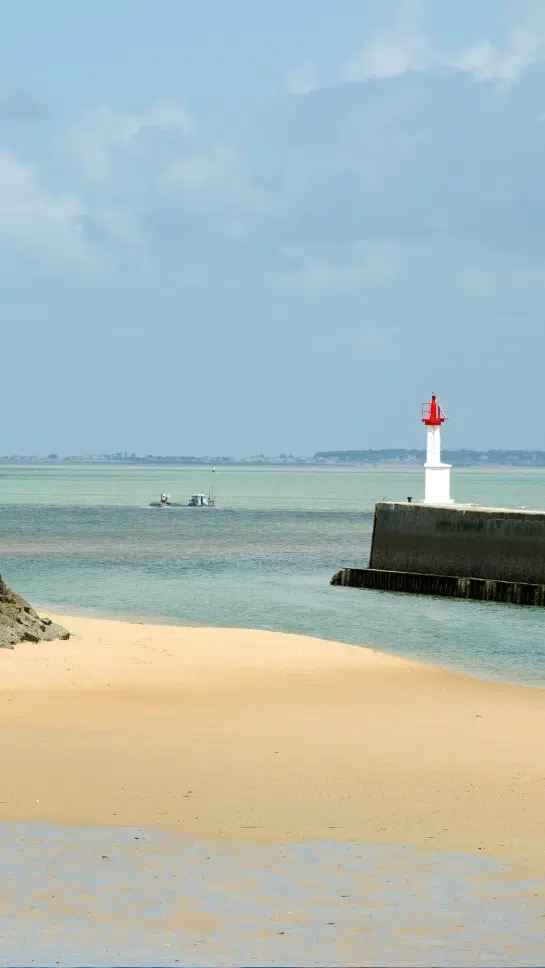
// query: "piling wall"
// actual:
[[462, 541], [447, 586]]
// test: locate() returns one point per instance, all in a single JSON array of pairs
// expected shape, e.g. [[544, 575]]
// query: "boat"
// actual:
[[195, 501], [165, 502]]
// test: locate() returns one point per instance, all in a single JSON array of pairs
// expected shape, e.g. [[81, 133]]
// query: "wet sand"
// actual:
[[132, 896], [246, 736]]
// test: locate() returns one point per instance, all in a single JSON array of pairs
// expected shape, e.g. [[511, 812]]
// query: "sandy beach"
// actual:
[[241, 735]]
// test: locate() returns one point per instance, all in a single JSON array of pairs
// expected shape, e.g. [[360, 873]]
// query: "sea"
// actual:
[[82, 538]]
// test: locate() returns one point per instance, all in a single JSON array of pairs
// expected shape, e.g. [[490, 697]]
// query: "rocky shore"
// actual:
[[20, 623]]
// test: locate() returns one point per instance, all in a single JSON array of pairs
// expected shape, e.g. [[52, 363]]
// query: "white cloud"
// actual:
[[403, 45], [96, 141], [523, 47], [38, 223], [60, 230], [302, 79], [400, 46]]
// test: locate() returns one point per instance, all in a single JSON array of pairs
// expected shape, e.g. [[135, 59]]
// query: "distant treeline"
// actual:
[[535, 458]]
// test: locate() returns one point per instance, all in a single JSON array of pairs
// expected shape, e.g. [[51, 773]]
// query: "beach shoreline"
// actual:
[[244, 735], [480, 674]]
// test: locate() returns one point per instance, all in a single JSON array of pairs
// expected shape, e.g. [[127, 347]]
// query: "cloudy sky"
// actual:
[[229, 227]]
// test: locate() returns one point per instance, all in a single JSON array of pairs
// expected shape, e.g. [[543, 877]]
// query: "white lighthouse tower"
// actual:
[[437, 474]]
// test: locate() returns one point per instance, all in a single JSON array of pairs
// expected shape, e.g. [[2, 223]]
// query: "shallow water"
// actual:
[[84, 538], [136, 897]]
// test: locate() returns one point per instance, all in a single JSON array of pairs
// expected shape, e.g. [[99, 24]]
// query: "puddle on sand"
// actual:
[[124, 896]]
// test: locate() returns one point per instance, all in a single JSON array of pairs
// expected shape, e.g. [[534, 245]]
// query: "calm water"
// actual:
[[84, 538]]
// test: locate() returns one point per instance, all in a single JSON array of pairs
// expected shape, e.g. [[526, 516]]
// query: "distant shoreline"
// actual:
[[407, 465]]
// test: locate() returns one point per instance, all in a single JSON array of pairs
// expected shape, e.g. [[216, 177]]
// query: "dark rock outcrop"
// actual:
[[20, 623]]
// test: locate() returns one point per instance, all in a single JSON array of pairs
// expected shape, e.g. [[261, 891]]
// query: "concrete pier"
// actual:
[[458, 539], [456, 550]]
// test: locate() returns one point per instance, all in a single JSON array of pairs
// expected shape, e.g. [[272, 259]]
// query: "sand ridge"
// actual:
[[243, 735]]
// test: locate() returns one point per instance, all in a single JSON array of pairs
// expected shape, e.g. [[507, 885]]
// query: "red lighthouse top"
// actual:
[[432, 414]]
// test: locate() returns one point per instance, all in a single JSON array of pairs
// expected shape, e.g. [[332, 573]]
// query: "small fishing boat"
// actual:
[[165, 502], [195, 501]]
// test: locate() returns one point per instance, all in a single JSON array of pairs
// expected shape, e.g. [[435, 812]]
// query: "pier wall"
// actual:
[[463, 541], [447, 586]]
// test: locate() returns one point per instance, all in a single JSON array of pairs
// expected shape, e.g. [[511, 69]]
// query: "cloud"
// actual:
[[159, 159], [402, 45], [213, 182], [406, 163], [201, 166], [486, 62], [160, 190], [329, 193], [399, 46], [37, 224], [302, 79], [97, 141], [16, 105]]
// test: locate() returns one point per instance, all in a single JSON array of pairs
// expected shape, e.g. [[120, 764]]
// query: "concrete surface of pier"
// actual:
[[467, 541]]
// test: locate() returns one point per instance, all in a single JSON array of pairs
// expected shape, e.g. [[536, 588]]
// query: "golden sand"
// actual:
[[260, 736]]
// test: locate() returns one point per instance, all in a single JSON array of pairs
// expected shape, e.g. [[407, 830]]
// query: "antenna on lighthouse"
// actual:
[[437, 474]]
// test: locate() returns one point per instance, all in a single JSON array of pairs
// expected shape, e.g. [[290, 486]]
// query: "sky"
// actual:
[[232, 228]]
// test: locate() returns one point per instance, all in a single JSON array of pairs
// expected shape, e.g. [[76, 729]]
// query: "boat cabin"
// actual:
[[200, 501]]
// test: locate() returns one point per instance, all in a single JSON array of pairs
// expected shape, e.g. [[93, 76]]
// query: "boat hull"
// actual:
[[157, 504]]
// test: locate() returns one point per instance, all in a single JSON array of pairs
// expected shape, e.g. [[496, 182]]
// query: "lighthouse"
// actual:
[[437, 474]]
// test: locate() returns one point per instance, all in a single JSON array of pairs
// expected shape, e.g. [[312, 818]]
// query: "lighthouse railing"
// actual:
[[426, 412]]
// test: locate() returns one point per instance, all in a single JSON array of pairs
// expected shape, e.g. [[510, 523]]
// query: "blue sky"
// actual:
[[234, 227]]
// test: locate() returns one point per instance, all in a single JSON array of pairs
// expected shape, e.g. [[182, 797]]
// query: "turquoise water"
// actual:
[[83, 537]]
